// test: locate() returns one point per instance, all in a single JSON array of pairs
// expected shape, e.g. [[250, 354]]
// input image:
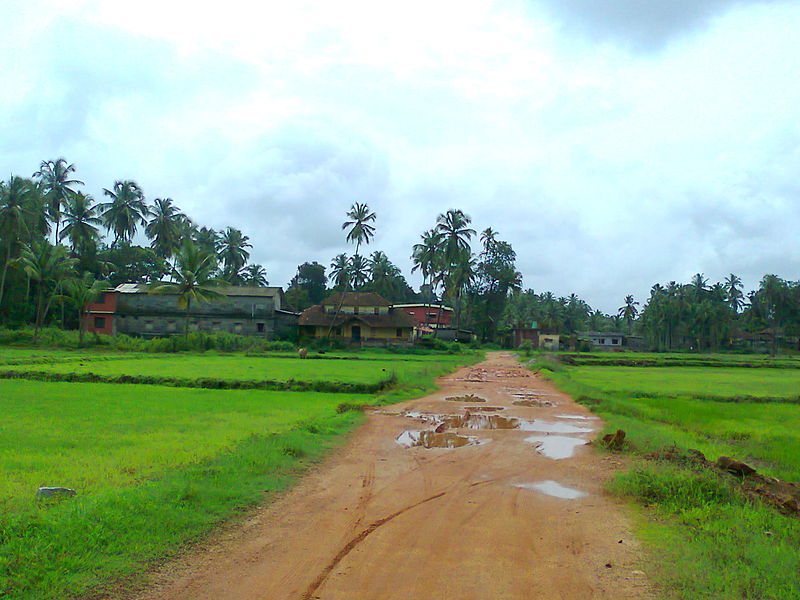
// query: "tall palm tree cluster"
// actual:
[[373, 274], [557, 314], [56, 239], [702, 316], [478, 285]]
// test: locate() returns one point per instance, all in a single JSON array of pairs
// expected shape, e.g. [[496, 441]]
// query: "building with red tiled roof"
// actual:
[[357, 317]]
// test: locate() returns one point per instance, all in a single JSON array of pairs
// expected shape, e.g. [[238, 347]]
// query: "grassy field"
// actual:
[[680, 359], [706, 539], [156, 467], [723, 383], [367, 370]]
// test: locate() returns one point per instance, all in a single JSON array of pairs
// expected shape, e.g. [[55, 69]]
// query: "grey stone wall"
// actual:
[[155, 315]]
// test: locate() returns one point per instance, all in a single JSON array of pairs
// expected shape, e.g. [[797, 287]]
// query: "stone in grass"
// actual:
[[55, 492], [735, 467]]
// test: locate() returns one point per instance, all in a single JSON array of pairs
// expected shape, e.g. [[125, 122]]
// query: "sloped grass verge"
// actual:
[[705, 539], [84, 546], [208, 383]]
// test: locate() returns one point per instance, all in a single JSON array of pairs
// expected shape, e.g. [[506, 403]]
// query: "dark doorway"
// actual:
[[355, 334]]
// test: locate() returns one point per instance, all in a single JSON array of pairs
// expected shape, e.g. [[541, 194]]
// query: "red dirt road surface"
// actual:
[[386, 519]]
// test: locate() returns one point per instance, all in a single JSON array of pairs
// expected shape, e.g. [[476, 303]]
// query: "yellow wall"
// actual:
[[381, 333]]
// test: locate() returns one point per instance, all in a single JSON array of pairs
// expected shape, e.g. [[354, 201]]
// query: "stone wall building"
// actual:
[[131, 309]]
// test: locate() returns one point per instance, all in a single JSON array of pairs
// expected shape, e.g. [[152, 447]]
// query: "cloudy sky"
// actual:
[[614, 143]]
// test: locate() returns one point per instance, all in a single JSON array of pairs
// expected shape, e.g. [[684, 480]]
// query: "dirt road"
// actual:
[[510, 514]]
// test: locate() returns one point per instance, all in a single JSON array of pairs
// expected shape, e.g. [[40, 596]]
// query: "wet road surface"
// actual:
[[449, 496]]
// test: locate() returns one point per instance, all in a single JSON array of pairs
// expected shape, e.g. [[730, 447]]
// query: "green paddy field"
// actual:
[[705, 538], [156, 467]]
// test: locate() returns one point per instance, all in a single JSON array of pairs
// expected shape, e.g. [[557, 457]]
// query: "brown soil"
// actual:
[[382, 520]]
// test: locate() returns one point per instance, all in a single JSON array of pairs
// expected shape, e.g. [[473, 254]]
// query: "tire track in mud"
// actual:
[[317, 583]]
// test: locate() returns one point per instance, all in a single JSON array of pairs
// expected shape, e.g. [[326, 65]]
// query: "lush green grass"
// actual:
[[707, 541], [256, 368], [156, 467], [663, 359], [692, 381]]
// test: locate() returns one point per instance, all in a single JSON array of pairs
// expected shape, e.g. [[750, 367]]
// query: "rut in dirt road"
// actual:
[[407, 511]]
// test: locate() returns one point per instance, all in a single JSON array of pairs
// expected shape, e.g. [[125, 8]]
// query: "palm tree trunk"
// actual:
[[82, 318], [5, 270], [39, 315], [186, 321]]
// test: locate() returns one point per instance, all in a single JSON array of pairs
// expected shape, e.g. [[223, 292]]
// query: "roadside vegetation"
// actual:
[[155, 468], [707, 538]]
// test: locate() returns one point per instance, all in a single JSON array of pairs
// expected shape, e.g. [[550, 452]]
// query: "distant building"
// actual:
[[129, 308], [363, 318], [549, 341], [600, 340], [428, 316], [537, 338]]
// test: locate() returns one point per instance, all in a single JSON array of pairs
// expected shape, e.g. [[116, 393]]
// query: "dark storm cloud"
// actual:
[[639, 24]]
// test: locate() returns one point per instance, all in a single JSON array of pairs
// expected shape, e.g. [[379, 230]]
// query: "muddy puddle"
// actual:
[[432, 439], [465, 398], [553, 427], [470, 420], [487, 408], [576, 417], [528, 398], [552, 488], [556, 447]]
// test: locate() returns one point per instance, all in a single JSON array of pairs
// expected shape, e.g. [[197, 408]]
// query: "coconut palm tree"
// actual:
[[48, 266], [733, 292], [205, 237], [255, 275], [80, 223], [455, 233], [126, 210], [340, 271], [165, 227], [232, 251], [629, 311], [488, 238], [57, 187], [14, 218], [426, 255], [80, 292], [361, 232], [194, 279], [359, 271]]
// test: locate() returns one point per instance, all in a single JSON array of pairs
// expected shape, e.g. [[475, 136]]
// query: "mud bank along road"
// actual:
[[482, 490]]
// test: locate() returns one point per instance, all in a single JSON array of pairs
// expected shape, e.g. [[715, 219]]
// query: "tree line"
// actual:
[[58, 243], [61, 248]]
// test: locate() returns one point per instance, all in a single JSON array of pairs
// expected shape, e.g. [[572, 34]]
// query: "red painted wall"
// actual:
[[428, 314], [105, 309]]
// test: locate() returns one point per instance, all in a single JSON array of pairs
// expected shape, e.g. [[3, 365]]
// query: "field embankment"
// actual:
[[156, 467], [708, 538]]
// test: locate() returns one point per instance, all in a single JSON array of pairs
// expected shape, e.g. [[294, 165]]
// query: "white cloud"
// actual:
[[607, 170]]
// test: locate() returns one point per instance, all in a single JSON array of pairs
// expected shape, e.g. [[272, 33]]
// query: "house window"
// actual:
[[398, 332], [99, 322], [260, 327], [375, 311], [615, 340], [355, 310], [237, 327], [337, 331]]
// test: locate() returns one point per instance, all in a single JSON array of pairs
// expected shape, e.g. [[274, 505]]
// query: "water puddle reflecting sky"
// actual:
[[552, 488]]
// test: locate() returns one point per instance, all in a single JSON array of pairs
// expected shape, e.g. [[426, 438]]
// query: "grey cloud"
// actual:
[[643, 25]]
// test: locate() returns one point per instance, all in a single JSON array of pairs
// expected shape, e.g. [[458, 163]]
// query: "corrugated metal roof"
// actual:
[[356, 299], [233, 290]]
